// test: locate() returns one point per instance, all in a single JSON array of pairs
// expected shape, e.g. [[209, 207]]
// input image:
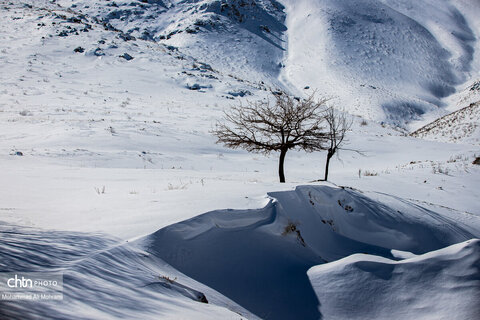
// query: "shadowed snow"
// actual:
[[259, 257]]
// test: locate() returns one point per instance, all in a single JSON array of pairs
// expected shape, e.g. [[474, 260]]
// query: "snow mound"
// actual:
[[259, 258], [442, 284], [103, 279]]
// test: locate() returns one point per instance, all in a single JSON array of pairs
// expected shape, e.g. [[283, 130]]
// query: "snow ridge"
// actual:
[[259, 258]]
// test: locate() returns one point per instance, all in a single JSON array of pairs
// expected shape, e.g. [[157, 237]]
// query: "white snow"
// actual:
[[460, 126], [392, 60], [441, 284], [104, 280], [104, 160], [259, 257]]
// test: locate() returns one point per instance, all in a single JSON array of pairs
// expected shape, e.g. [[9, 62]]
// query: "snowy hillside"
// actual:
[[460, 126], [392, 60], [241, 37], [385, 60], [111, 175]]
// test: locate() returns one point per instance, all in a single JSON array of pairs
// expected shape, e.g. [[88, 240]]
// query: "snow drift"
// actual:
[[103, 279], [259, 258], [442, 284]]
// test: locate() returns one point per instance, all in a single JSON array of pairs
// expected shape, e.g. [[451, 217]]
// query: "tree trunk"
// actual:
[[281, 173], [329, 156]]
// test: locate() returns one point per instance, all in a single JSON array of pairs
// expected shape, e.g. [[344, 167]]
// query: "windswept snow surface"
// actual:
[[104, 279], [259, 258], [392, 60]]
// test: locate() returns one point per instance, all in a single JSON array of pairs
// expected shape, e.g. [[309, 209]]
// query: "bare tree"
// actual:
[[287, 124], [338, 125]]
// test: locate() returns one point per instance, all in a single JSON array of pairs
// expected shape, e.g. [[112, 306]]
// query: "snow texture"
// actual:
[[442, 284], [259, 258], [107, 159]]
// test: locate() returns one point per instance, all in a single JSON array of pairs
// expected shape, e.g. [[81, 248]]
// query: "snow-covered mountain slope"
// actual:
[[441, 284], [470, 94], [385, 60], [259, 257], [462, 126], [103, 279], [459, 126], [68, 80], [391, 60], [240, 37]]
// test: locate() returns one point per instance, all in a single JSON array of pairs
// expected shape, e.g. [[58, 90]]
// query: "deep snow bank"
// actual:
[[442, 284], [104, 280], [259, 258]]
